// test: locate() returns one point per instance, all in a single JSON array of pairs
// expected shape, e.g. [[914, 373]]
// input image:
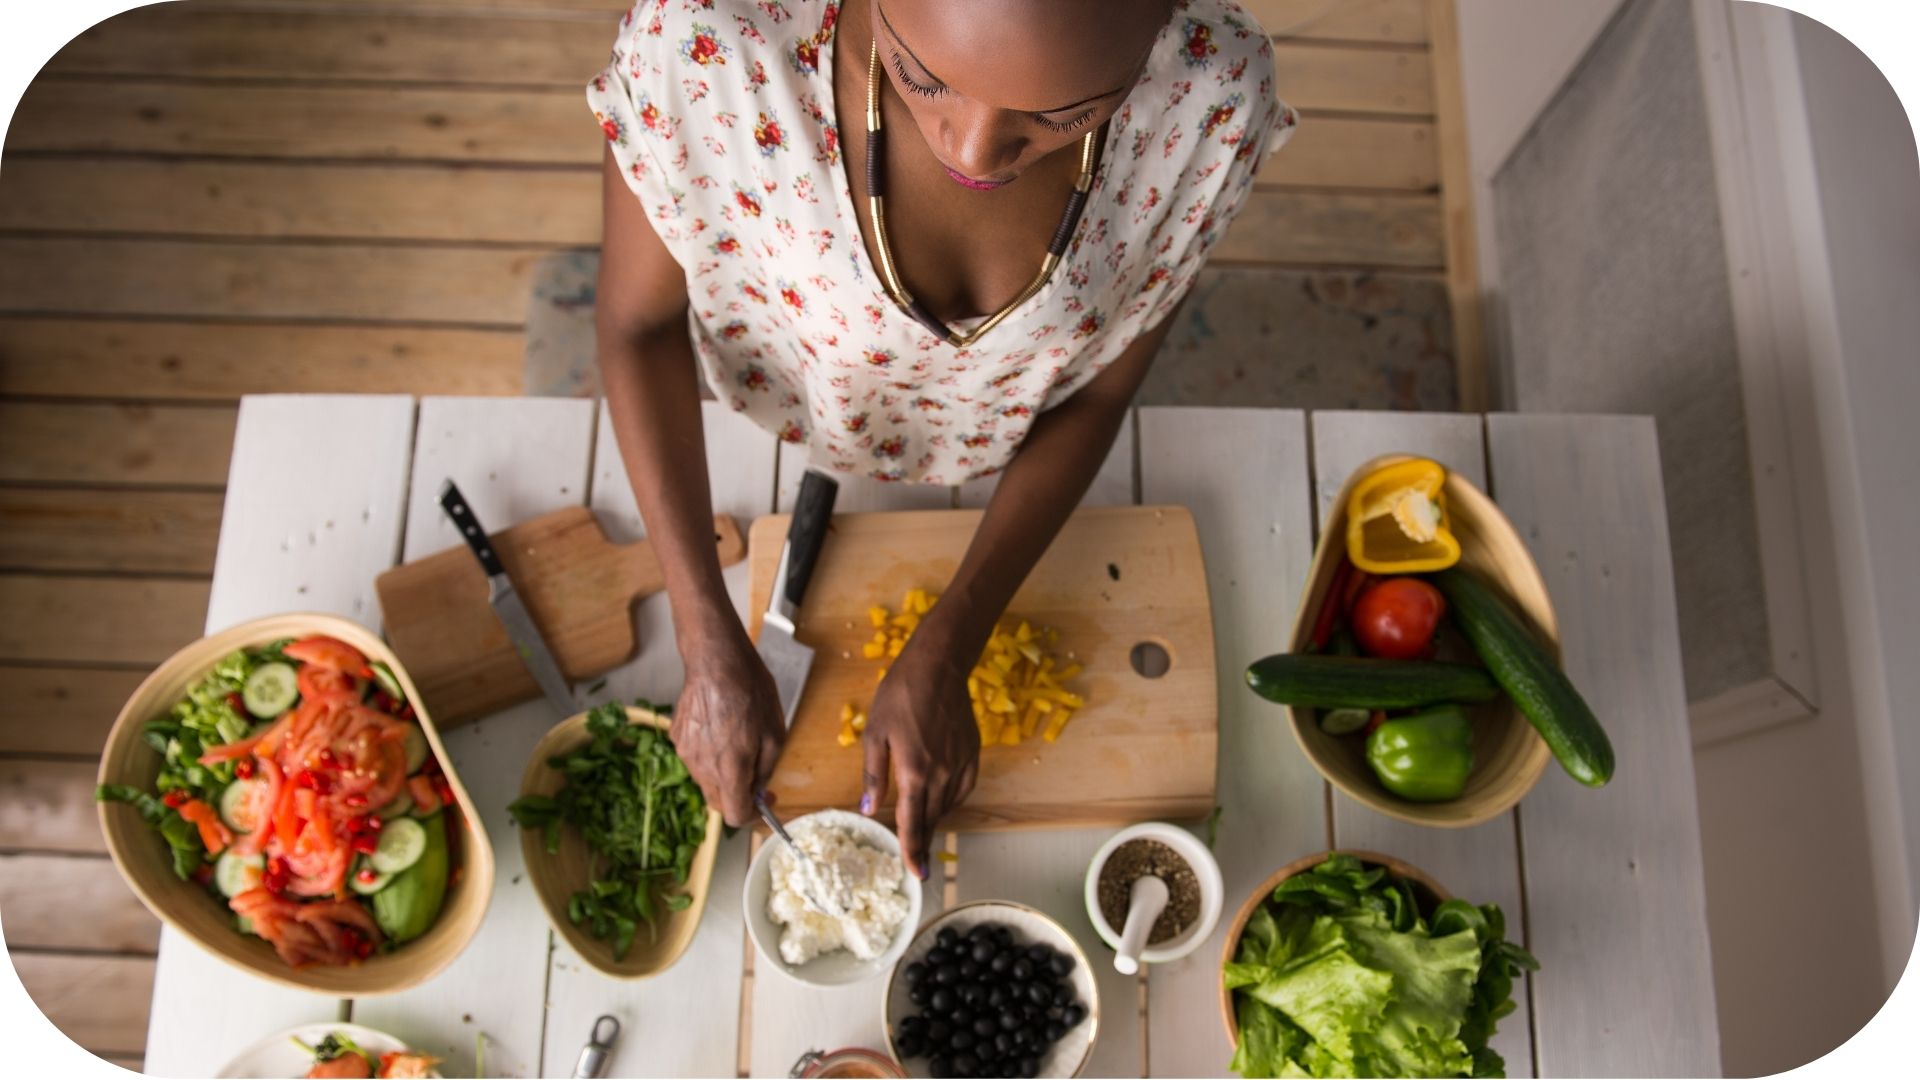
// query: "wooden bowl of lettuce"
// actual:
[[1334, 962], [618, 841]]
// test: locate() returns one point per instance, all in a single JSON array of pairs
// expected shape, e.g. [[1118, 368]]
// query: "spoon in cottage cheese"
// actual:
[[810, 876]]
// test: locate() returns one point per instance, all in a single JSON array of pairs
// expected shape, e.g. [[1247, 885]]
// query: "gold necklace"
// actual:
[[876, 213]]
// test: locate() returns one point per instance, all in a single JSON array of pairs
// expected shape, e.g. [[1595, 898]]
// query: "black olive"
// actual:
[[983, 951], [1063, 994], [961, 1018], [1004, 1042], [966, 1065], [985, 1026], [936, 956], [915, 972], [1001, 964], [938, 1031], [913, 1025], [946, 974], [1039, 994], [1022, 969], [980, 932], [969, 969], [1055, 1012], [1010, 1020], [998, 998], [918, 995], [1073, 1016], [963, 1039], [1062, 965], [1039, 954], [986, 1051], [1029, 1066], [940, 1067], [1056, 1030], [912, 1046], [973, 994], [942, 1000], [947, 936], [1026, 1035]]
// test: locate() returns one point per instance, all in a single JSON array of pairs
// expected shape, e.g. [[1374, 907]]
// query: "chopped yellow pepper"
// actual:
[[1397, 520]]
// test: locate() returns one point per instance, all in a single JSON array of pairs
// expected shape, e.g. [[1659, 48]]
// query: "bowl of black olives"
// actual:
[[992, 989]]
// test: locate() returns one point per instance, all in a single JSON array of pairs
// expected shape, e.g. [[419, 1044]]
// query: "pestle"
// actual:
[[1144, 905]]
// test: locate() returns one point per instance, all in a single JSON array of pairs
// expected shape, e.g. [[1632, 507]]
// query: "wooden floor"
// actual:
[[208, 199]]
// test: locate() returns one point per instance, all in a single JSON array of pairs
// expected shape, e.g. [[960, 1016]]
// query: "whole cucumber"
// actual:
[[1357, 682], [1530, 677]]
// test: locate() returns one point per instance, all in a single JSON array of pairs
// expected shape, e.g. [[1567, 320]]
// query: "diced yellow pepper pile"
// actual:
[[1017, 688]]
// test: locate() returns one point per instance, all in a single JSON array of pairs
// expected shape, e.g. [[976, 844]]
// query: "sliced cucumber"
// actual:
[[384, 675], [416, 748], [402, 841], [270, 690], [401, 806], [235, 874], [367, 888], [243, 924], [238, 805], [1344, 721]]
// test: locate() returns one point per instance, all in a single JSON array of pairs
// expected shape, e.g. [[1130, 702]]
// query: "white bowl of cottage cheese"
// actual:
[[854, 868]]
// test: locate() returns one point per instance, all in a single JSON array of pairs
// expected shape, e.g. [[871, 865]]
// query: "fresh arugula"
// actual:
[[630, 797]]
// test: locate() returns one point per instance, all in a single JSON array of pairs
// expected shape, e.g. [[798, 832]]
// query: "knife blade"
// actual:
[[507, 605], [786, 658]]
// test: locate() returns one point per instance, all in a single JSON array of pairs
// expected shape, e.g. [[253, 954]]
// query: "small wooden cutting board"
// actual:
[[1113, 579], [579, 587]]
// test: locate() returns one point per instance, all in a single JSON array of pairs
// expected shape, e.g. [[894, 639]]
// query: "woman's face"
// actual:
[[996, 85]]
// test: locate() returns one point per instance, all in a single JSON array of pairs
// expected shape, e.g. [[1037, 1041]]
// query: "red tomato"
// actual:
[[327, 652], [1396, 618]]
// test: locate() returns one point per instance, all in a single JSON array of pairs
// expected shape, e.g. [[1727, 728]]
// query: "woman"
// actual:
[[924, 336]]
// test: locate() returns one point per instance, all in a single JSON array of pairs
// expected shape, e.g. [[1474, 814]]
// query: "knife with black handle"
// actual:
[[787, 660], [506, 603]]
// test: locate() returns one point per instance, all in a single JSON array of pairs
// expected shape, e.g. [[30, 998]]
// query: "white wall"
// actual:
[[1866, 373]]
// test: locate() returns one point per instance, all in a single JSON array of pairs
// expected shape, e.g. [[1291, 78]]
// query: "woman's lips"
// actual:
[[966, 181]]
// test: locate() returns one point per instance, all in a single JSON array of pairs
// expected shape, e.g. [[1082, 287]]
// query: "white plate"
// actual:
[[276, 1055], [840, 967], [1068, 1056]]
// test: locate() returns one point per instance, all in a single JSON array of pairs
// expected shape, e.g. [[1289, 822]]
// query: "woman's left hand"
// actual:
[[921, 726]]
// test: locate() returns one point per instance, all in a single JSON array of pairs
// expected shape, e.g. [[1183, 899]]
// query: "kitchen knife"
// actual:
[[506, 603], [786, 659]]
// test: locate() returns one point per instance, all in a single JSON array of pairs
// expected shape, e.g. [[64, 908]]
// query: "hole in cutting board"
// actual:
[[1150, 659]]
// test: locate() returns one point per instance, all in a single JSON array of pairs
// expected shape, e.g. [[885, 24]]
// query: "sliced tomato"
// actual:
[[425, 799], [263, 808], [263, 744], [327, 652], [214, 833], [315, 681]]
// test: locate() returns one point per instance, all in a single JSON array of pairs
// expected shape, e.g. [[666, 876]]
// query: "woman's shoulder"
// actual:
[[673, 39], [1213, 38]]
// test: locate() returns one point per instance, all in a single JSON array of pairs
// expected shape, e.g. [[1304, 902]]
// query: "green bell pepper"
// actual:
[[1424, 757]]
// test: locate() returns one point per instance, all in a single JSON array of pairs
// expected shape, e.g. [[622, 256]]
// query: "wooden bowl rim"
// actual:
[[564, 737], [406, 967], [1394, 864], [1533, 762]]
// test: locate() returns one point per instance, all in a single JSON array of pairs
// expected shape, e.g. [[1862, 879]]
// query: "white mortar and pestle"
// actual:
[[1148, 898]]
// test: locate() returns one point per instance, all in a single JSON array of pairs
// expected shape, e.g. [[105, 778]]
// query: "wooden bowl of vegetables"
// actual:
[[1421, 683], [253, 781], [618, 840]]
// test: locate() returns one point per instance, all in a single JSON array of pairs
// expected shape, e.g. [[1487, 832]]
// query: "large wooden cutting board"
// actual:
[[1114, 578], [579, 587]]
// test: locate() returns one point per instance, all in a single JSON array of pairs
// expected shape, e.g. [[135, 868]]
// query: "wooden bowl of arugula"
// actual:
[[618, 840]]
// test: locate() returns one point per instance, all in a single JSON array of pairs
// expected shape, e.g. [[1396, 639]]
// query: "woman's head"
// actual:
[[995, 85]]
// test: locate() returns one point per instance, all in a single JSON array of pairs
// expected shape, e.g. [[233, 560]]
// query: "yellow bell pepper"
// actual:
[[1397, 520]]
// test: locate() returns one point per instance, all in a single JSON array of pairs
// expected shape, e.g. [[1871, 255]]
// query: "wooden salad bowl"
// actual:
[[143, 859], [1508, 755], [1434, 896], [557, 877]]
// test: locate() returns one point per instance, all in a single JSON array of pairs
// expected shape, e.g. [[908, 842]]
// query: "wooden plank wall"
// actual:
[[203, 200]]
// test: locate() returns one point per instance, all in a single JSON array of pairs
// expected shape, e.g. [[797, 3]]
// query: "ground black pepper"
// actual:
[[1136, 859]]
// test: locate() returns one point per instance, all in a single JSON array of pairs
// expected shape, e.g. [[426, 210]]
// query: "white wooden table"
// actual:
[[1605, 886]]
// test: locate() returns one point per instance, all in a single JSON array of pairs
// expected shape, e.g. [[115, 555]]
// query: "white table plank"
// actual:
[[1243, 473], [1615, 896], [1047, 869], [290, 540], [1480, 864], [514, 458], [788, 1018], [683, 1022]]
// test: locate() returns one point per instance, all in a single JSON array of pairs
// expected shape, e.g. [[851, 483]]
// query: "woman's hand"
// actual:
[[728, 726], [921, 726]]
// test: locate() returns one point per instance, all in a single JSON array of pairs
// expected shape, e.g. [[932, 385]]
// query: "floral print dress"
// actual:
[[721, 115]]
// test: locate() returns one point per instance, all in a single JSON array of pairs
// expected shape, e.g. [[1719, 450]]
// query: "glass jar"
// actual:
[[852, 1063]]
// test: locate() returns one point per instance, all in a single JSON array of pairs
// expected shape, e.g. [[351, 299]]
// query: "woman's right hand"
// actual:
[[728, 726]]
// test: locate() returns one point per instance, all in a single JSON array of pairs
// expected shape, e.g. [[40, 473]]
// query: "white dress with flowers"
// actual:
[[721, 115]]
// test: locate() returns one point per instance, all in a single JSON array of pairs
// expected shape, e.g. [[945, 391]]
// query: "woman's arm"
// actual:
[[727, 725], [922, 724]]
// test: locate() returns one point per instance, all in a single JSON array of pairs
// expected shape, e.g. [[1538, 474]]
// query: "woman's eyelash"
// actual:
[[908, 81], [915, 86]]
